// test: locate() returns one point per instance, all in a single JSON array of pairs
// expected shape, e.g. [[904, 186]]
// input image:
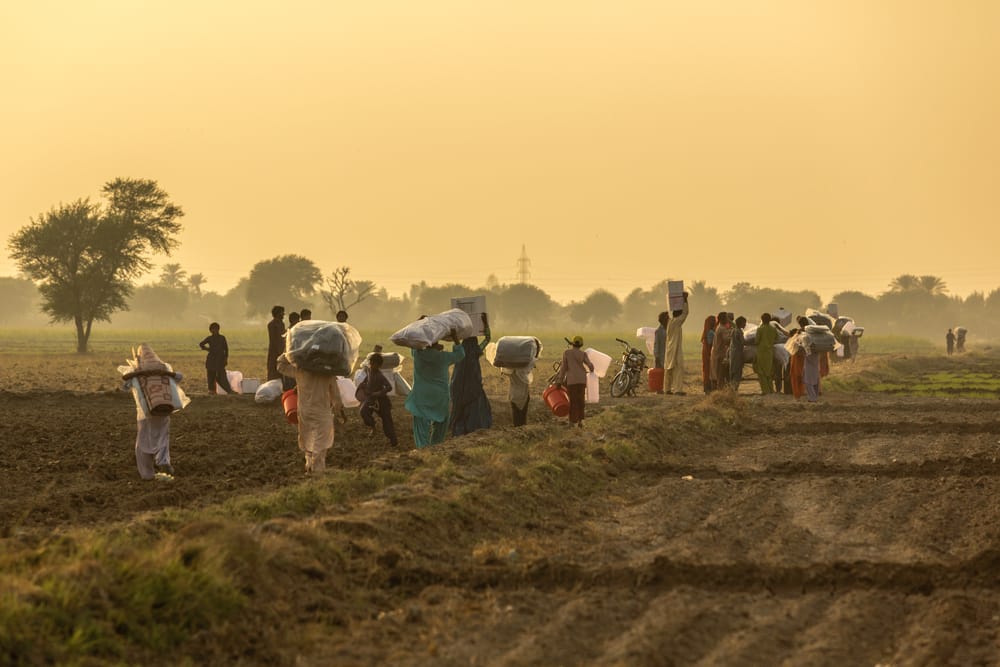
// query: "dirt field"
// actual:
[[862, 530]]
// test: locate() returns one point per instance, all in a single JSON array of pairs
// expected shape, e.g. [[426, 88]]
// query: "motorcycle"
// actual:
[[632, 363]]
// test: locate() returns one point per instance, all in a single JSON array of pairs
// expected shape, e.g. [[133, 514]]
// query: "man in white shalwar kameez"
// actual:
[[318, 397], [673, 360]]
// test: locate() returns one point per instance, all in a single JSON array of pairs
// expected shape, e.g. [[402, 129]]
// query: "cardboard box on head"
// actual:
[[675, 295], [475, 307]]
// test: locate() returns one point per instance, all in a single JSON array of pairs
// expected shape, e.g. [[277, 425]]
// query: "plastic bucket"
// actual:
[[290, 401], [557, 400], [656, 379]]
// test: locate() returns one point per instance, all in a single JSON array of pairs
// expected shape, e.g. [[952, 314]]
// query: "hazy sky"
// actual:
[[796, 144]]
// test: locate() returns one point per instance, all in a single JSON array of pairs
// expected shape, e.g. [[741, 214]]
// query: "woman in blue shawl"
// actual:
[[470, 409]]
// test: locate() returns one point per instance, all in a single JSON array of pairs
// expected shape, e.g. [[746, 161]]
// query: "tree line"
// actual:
[[81, 263]]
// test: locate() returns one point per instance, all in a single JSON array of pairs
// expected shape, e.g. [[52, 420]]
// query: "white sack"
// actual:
[[269, 391], [424, 333]]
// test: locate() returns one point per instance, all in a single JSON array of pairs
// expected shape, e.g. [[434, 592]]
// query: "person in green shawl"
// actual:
[[428, 400], [767, 336]]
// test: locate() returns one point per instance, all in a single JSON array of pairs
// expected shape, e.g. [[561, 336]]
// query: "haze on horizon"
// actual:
[[820, 145]]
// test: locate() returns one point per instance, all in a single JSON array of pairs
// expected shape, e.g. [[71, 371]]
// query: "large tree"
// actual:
[[521, 304], [173, 276], [288, 280], [86, 257]]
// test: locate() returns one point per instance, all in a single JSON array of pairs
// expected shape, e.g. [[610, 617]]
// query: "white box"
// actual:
[[249, 385], [475, 306], [675, 295]]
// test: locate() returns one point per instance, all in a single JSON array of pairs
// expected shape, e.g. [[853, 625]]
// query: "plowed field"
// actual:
[[862, 530]]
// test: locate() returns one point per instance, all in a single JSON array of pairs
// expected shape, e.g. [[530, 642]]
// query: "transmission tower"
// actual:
[[523, 266]]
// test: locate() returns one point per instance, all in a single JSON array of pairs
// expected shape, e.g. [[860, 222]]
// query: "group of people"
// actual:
[[441, 398], [722, 356]]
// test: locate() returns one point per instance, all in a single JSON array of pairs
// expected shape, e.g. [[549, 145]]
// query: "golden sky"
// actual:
[[796, 144]]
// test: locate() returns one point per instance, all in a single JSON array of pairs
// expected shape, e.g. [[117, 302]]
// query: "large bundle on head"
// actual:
[[961, 331], [153, 383], [818, 338], [326, 348], [429, 330], [784, 317], [516, 351], [820, 318], [390, 360]]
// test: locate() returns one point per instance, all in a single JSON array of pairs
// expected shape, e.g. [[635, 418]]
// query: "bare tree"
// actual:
[[342, 291]]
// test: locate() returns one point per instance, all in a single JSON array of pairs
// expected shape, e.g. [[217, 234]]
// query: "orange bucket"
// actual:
[[557, 399], [290, 401], [656, 379]]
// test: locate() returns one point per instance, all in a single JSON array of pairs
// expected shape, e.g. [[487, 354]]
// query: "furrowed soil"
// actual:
[[670, 530]]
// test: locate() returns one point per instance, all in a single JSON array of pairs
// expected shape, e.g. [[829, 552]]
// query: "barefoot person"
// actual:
[[318, 398]]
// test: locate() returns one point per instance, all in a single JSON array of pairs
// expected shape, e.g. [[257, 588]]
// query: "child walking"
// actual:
[[373, 393], [218, 356]]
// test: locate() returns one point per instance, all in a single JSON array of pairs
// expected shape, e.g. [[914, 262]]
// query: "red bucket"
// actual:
[[656, 379], [290, 401], [557, 399]]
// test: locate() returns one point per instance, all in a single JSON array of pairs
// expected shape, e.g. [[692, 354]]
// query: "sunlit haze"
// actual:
[[797, 145]]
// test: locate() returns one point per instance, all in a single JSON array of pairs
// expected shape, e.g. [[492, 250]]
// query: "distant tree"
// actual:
[[195, 281], [706, 299], [600, 308], [287, 280], [342, 291], [904, 283], [522, 304], [861, 307], [160, 303], [86, 257], [18, 296], [641, 307], [492, 282], [432, 300], [751, 301], [172, 275], [932, 285]]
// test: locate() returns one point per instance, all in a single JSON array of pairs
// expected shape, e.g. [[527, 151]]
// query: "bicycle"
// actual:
[[632, 363]]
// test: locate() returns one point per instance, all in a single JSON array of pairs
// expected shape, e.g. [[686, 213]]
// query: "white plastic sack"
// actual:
[[516, 351], [783, 316], [326, 348], [347, 391], [647, 334], [600, 360], [390, 360], [401, 385], [424, 333], [235, 378], [593, 388], [268, 392]]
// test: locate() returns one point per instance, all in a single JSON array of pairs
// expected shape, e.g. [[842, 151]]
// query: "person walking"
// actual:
[[707, 338], [318, 398], [767, 336], [573, 375], [660, 346], [215, 362], [373, 392], [154, 387], [949, 340], [428, 399], [518, 393], [275, 341], [470, 409], [674, 359], [960, 340]]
